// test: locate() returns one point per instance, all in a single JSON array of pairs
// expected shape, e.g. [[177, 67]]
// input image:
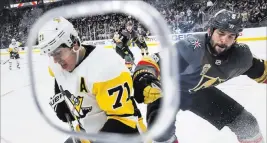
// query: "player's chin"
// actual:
[[219, 50], [70, 67], [65, 67]]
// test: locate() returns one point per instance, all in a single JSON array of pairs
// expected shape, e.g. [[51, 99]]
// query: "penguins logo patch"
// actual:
[[77, 105]]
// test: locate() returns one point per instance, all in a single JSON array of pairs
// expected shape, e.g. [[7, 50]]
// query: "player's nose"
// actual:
[[223, 39]]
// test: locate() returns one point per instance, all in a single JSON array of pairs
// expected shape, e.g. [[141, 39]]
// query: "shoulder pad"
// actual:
[[124, 32], [243, 53], [241, 45], [191, 39], [196, 41], [134, 31], [185, 43]]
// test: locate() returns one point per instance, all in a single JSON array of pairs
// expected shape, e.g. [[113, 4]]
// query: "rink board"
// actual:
[[248, 35]]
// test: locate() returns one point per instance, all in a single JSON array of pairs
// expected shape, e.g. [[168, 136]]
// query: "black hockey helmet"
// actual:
[[226, 20]]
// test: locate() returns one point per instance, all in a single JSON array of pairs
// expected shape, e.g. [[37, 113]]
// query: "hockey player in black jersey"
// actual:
[[217, 58], [141, 37], [125, 38]]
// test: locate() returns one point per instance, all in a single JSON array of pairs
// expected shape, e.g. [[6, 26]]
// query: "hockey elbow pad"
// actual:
[[146, 87]]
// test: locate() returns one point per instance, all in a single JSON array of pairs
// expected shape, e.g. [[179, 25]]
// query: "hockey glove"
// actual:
[[127, 51], [146, 87], [57, 102], [129, 59], [124, 49]]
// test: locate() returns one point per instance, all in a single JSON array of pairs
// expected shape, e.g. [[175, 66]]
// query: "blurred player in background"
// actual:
[[14, 53], [92, 85], [123, 40], [142, 35], [206, 60]]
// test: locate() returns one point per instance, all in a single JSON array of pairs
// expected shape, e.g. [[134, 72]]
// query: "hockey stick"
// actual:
[[71, 111], [132, 60], [75, 117], [9, 59], [71, 126], [6, 61]]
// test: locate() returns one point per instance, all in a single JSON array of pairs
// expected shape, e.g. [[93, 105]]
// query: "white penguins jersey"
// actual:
[[102, 85], [14, 47]]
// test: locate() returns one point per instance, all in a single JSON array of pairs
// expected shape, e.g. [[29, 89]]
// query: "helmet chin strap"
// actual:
[[77, 54]]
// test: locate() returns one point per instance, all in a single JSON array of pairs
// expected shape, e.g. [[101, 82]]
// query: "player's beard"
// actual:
[[218, 49]]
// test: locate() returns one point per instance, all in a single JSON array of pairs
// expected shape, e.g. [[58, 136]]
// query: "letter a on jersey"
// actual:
[[83, 86]]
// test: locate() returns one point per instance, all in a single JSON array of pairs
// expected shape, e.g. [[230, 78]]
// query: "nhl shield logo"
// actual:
[[218, 62]]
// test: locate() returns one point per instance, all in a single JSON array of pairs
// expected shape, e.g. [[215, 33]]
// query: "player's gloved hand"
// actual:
[[146, 87], [57, 102], [124, 49], [128, 58], [151, 93], [117, 40]]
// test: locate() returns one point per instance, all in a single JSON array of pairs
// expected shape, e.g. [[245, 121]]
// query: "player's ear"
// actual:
[[76, 46], [209, 32]]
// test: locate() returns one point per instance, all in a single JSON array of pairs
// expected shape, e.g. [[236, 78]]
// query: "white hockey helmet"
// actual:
[[54, 33], [13, 41]]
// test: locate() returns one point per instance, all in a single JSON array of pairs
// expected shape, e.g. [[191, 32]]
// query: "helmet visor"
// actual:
[[60, 53]]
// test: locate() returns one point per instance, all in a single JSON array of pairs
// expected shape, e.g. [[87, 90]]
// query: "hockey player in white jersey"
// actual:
[[97, 86], [14, 53]]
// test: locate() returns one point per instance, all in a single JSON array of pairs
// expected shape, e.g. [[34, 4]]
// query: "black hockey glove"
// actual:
[[13, 54], [57, 102], [147, 88], [124, 48]]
